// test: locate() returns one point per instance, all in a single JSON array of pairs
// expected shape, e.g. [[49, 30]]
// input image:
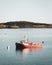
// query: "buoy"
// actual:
[[8, 47], [42, 41]]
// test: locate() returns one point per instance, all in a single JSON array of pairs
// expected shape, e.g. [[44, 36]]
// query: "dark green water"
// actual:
[[11, 56]]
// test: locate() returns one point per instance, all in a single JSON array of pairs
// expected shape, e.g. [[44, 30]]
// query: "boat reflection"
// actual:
[[26, 51]]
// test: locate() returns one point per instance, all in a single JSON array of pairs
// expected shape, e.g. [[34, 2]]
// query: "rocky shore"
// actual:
[[24, 24]]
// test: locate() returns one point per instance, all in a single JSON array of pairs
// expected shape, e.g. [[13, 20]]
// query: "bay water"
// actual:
[[11, 56]]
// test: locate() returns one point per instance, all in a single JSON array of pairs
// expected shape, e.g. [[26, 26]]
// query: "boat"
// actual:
[[25, 44]]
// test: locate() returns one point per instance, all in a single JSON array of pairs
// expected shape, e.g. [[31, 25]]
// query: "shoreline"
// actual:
[[23, 24]]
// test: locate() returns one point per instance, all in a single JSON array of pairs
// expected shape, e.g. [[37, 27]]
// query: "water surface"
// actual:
[[11, 56]]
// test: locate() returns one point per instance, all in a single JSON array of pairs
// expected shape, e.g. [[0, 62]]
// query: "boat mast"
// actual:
[[25, 38]]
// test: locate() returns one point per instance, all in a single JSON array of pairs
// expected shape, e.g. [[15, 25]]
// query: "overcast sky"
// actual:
[[26, 10]]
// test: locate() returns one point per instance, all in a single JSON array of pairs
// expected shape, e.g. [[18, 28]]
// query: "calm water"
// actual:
[[11, 56]]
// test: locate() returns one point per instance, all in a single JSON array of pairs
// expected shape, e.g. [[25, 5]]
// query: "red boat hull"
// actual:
[[22, 46], [33, 46]]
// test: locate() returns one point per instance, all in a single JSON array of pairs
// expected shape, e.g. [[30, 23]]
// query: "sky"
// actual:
[[26, 10]]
